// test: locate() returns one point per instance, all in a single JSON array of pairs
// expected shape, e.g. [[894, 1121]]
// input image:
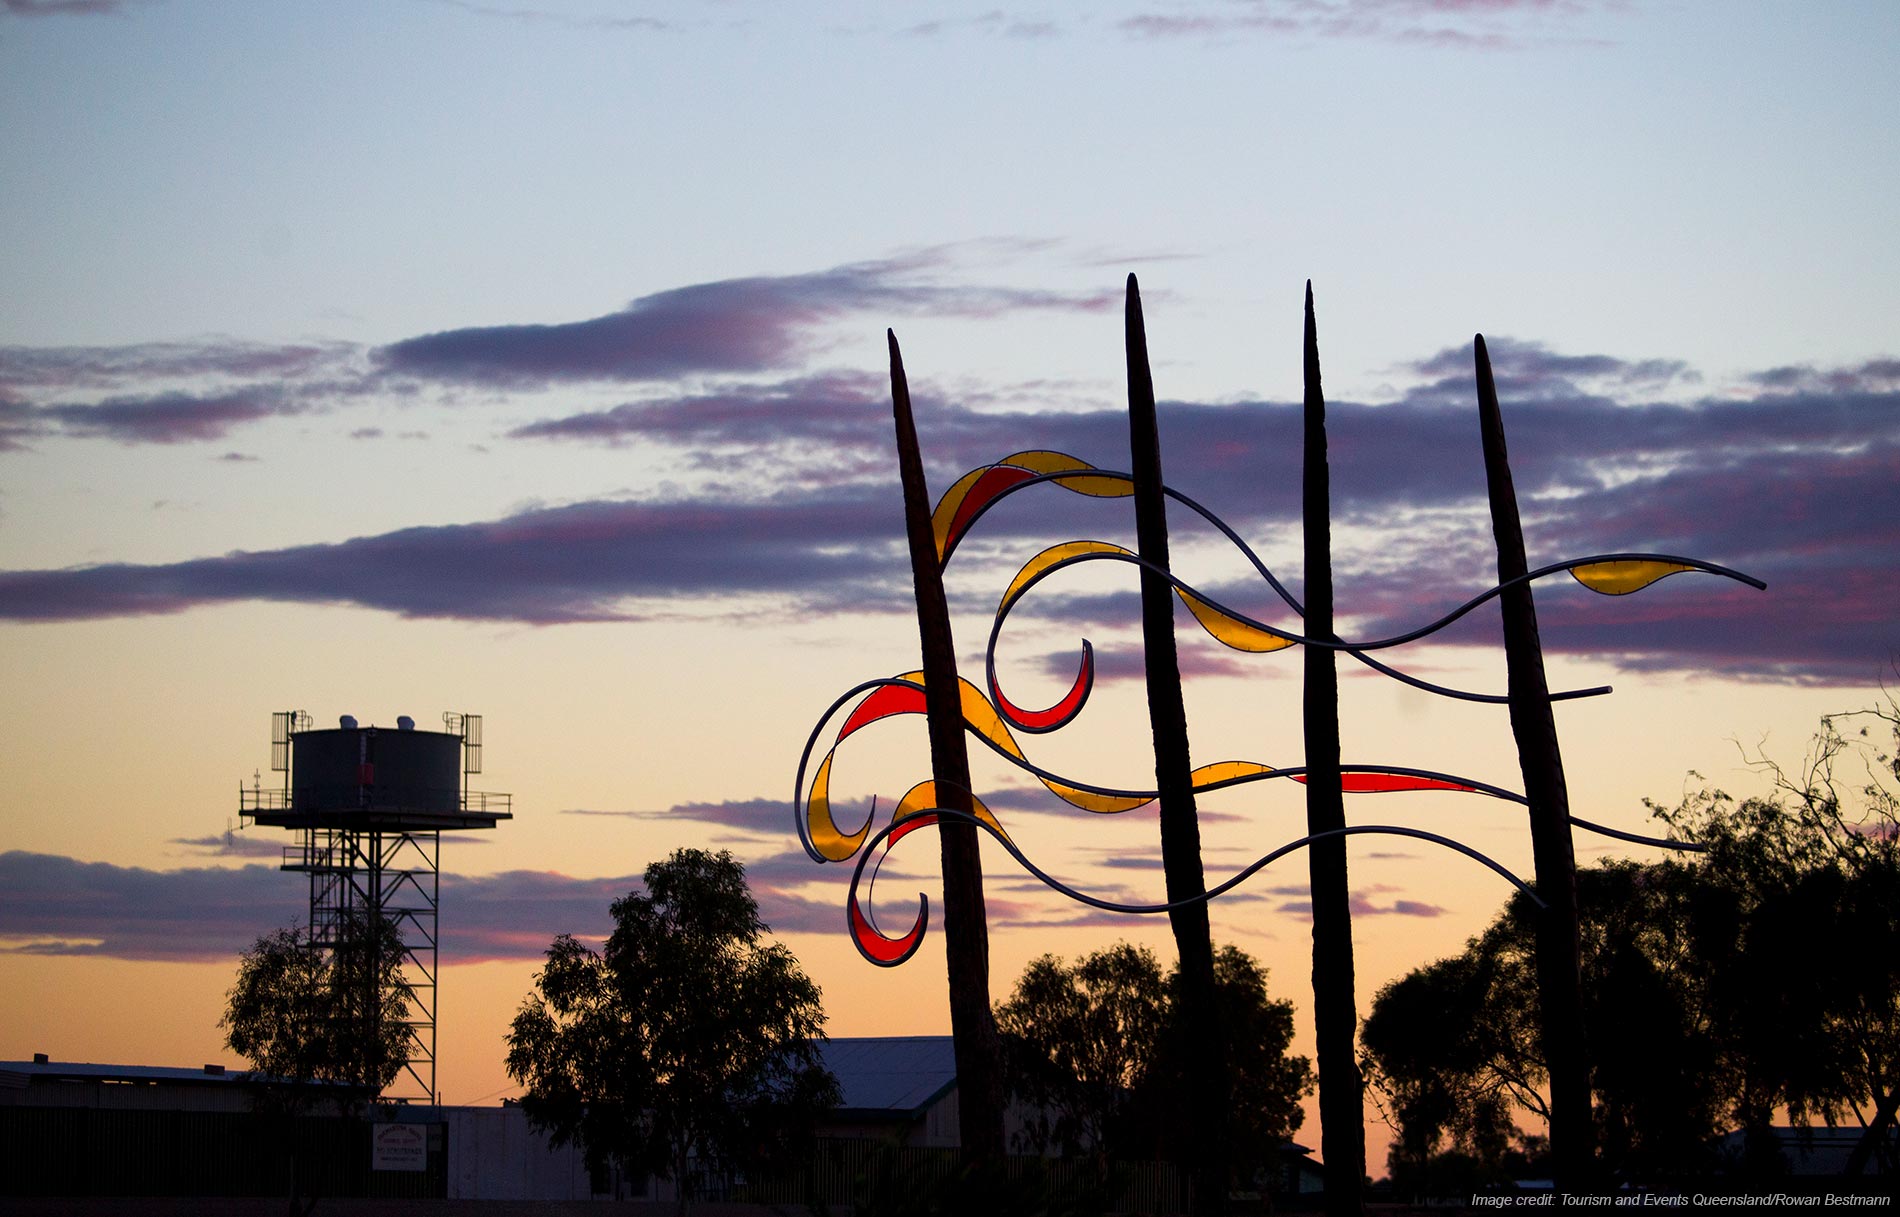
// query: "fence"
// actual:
[[90, 1151], [876, 1176]]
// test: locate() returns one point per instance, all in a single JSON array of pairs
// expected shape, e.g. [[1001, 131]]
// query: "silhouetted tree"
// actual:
[[1449, 1063], [687, 1038], [1453, 1049], [1080, 1039], [1804, 941], [1761, 976], [1268, 1082], [319, 1022], [1101, 1046], [304, 1013]]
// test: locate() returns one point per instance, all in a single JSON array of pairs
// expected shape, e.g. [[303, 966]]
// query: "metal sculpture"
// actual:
[[1208, 1086], [948, 803], [966, 930], [1559, 951], [1335, 1014]]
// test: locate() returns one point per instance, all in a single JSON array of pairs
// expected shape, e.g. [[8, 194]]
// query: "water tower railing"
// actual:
[[488, 803], [253, 799]]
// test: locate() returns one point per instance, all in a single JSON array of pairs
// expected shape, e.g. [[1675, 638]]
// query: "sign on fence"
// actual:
[[399, 1147]]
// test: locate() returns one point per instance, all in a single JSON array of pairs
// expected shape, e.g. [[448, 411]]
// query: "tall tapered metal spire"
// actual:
[[1208, 1084], [965, 926], [1558, 953], [1335, 1016]]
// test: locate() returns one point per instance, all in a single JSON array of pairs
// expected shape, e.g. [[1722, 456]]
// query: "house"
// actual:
[[1810, 1152], [1299, 1175], [896, 1088]]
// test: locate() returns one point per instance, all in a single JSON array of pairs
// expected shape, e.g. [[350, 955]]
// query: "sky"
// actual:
[[528, 359]]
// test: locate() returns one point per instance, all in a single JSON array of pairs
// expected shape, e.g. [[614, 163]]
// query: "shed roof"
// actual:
[[21, 1073], [891, 1074]]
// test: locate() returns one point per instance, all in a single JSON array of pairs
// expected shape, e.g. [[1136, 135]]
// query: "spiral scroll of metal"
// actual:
[[887, 952]]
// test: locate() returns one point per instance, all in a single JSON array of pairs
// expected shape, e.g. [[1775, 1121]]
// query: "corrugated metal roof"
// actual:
[[86, 1072], [896, 1074], [899, 1074], [22, 1073]]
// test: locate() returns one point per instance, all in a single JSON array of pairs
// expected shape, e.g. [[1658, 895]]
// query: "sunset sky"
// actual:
[[528, 359]]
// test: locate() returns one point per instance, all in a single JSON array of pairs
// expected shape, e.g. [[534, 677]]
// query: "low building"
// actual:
[[69, 1128], [89, 1129], [45, 1083], [901, 1089], [1808, 1153]]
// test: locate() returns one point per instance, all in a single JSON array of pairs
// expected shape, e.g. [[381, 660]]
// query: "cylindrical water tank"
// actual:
[[362, 768]]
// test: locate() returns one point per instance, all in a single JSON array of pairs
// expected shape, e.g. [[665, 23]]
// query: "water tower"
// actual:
[[369, 805]]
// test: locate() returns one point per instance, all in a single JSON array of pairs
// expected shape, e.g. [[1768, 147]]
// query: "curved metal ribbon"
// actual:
[[1602, 830], [966, 501], [977, 491], [888, 952], [1614, 572], [1237, 630], [824, 841]]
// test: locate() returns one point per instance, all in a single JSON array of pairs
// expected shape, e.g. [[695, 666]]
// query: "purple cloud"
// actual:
[[1419, 450], [758, 815], [229, 844], [200, 390], [1113, 663], [536, 16], [264, 844], [1123, 862], [49, 8], [840, 408], [71, 368], [1796, 485], [777, 868], [164, 393], [60, 906], [1873, 376], [1453, 24], [1525, 369], [513, 915], [735, 326], [1042, 915], [1363, 905], [546, 566], [18, 423], [995, 22], [516, 914], [169, 418]]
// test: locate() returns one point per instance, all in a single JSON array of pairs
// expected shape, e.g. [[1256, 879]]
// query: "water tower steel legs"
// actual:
[[393, 875]]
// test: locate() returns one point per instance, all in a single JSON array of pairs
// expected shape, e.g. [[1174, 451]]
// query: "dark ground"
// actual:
[[81, 1206], [87, 1206]]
